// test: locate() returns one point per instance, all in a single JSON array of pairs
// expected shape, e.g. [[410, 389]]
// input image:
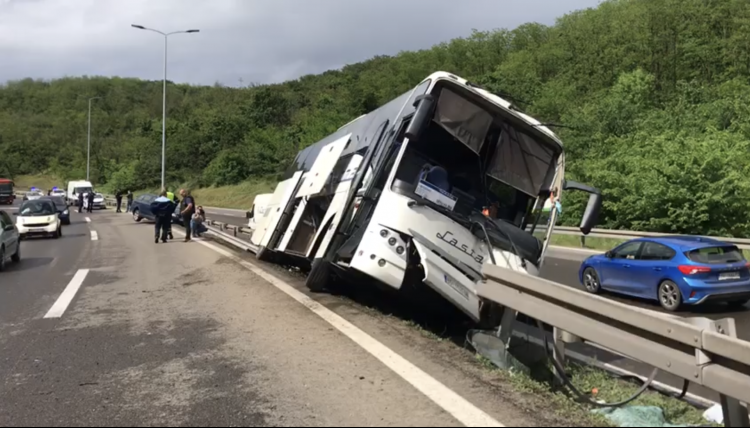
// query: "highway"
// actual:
[[104, 327], [121, 331]]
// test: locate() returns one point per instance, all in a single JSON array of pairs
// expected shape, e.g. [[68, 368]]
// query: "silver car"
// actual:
[[33, 195], [10, 241]]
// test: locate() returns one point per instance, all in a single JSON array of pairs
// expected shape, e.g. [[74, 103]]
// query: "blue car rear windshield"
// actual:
[[717, 255]]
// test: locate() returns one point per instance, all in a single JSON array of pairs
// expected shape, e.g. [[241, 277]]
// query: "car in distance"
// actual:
[[33, 195], [75, 188], [10, 241], [99, 203], [7, 194], [58, 192], [676, 271], [62, 208], [38, 218]]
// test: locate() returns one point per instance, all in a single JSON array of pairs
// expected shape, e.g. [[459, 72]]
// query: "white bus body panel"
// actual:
[[293, 225], [337, 206], [322, 168], [281, 195]]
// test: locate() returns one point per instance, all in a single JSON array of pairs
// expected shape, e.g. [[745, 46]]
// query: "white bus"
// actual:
[[428, 189]]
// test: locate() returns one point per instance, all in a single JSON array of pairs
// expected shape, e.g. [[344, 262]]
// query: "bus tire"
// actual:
[[319, 276], [263, 254]]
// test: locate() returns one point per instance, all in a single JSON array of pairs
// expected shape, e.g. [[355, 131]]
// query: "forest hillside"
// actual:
[[653, 99]]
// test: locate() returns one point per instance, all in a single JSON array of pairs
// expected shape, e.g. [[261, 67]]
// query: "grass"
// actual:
[[41, 181], [239, 196], [599, 385]]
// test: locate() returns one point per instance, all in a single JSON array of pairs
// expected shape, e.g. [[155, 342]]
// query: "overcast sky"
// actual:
[[259, 41]]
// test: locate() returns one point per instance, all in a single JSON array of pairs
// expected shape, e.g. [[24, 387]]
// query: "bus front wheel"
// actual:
[[319, 276]]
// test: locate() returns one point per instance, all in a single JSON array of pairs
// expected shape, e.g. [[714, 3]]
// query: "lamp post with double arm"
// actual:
[[164, 96]]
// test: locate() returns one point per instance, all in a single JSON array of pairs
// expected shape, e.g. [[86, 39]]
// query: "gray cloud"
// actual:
[[258, 41]]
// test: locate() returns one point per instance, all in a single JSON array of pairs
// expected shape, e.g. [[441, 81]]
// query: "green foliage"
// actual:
[[229, 167], [655, 94]]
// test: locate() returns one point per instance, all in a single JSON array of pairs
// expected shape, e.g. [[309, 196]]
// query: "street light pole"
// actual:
[[88, 151], [164, 99]]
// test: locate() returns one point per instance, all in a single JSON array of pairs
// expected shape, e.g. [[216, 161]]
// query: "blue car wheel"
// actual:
[[670, 296], [591, 281]]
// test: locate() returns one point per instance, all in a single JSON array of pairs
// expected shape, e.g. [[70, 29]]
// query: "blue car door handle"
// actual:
[[657, 269]]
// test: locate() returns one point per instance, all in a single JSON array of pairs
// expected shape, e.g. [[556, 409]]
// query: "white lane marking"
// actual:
[[88, 220], [94, 235], [458, 407], [62, 303]]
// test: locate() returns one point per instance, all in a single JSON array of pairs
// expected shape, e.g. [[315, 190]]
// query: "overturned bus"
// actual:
[[426, 189]]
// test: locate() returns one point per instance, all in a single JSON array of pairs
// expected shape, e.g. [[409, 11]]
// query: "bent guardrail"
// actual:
[[699, 350]]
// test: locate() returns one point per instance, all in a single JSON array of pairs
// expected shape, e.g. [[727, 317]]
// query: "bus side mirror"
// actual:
[[425, 105], [593, 208]]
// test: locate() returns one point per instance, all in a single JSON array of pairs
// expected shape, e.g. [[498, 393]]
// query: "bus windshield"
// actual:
[[464, 165], [6, 187]]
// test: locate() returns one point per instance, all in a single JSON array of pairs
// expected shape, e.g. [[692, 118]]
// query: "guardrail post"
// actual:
[[583, 241], [735, 414], [505, 332], [558, 352], [235, 231]]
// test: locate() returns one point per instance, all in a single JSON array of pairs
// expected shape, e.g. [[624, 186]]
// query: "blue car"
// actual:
[[141, 209], [676, 271]]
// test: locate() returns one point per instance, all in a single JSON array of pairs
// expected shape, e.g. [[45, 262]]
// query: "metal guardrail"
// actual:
[[629, 234], [699, 350]]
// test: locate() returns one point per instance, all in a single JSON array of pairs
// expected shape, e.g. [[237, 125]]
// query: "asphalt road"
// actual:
[[194, 335]]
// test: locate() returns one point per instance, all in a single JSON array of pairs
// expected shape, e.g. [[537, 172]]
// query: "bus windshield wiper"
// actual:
[[496, 227]]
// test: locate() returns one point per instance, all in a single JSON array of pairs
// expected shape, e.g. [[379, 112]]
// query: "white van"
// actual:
[[76, 187]]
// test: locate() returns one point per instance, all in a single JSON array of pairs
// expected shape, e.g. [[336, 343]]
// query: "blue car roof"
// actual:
[[687, 242]]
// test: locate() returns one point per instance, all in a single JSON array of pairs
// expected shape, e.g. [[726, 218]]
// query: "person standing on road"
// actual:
[[130, 200], [80, 202], [90, 202], [187, 209], [162, 207], [118, 197]]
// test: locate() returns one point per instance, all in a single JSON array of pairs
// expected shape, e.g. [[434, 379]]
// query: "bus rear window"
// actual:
[[717, 255]]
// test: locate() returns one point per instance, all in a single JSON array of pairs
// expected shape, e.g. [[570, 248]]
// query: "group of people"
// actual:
[[193, 216], [118, 198], [86, 201]]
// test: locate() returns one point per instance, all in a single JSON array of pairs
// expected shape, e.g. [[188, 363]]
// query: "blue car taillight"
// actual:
[[693, 270]]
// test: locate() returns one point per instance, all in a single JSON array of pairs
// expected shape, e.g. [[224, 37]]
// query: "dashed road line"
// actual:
[[88, 220], [94, 235], [452, 403], [62, 303]]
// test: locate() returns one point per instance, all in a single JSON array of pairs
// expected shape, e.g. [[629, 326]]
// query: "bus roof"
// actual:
[[5, 180]]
